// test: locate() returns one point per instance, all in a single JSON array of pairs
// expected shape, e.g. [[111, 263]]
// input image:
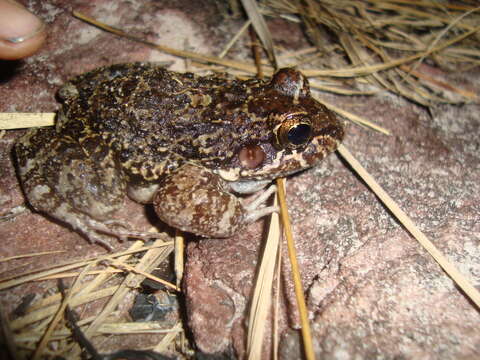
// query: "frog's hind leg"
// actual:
[[195, 200], [76, 183]]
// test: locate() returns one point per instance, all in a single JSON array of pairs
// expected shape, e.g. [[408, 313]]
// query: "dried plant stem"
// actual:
[[262, 294], [8, 337], [48, 311], [441, 84], [181, 53], [147, 275], [443, 32], [35, 275], [162, 346], [58, 316], [146, 264], [179, 261], [152, 327], [261, 299], [256, 53], [9, 121], [261, 28], [234, 39], [30, 255], [355, 118], [64, 275], [276, 304], [366, 70], [456, 276], [297, 281]]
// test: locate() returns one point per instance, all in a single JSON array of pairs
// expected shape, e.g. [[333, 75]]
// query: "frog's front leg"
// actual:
[[195, 200]]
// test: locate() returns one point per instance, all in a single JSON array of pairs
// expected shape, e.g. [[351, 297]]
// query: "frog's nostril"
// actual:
[[251, 156]]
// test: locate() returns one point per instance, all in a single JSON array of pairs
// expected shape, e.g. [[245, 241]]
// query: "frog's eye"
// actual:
[[299, 134], [292, 135]]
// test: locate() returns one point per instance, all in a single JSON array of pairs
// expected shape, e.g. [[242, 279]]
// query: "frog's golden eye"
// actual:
[[292, 135]]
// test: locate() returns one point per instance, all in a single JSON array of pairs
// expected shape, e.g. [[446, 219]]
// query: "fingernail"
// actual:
[[18, 24]]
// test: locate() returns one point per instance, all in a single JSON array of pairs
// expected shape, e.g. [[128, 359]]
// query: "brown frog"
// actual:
[[188, 143]]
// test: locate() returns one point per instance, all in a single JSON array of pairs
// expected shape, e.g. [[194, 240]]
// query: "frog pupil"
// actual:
[[299, 134]]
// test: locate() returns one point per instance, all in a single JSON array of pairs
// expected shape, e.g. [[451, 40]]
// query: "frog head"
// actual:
[[293, 130]]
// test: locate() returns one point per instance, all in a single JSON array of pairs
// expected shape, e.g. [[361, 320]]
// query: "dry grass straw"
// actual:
[[262, 294], [181, 53], [16, 280], [297, 281], [11, 121], [57, 317], [456, 276], [165, 343], [44, 317], [148, 263], [260, 304], [261, 29], [179, 261], [16, 257], [378, 37], [276, 306]]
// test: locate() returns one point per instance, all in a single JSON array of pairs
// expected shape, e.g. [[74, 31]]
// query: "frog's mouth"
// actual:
[[279, 163]]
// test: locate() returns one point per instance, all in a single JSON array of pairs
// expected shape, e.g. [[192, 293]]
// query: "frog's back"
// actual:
[[152, 118], [140, 94]]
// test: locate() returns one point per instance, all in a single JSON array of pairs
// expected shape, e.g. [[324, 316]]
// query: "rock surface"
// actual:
[[372, 291]]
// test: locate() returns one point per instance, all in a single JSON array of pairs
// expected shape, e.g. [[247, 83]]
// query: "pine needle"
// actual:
[[9, 121], [31, 255], [147, 275], [15, 280], [355, 118], [58, 317], [276, 304], [234, 39], [366, 70], [451, 271], [297, 281], [262, 294], [261, 28], [179, 254], [261, 301], [181, 53]]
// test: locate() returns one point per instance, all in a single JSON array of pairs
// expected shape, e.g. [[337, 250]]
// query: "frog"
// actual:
[[193, 146]]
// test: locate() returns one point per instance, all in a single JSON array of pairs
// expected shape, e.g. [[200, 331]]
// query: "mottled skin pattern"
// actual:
[[141, 130]]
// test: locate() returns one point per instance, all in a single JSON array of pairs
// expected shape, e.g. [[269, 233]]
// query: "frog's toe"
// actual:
[[95, 237], [100, 240], [13, 213], [120, 230], [142, 235], [256, 214], [255, 209], [117, 223], [260, 199]]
